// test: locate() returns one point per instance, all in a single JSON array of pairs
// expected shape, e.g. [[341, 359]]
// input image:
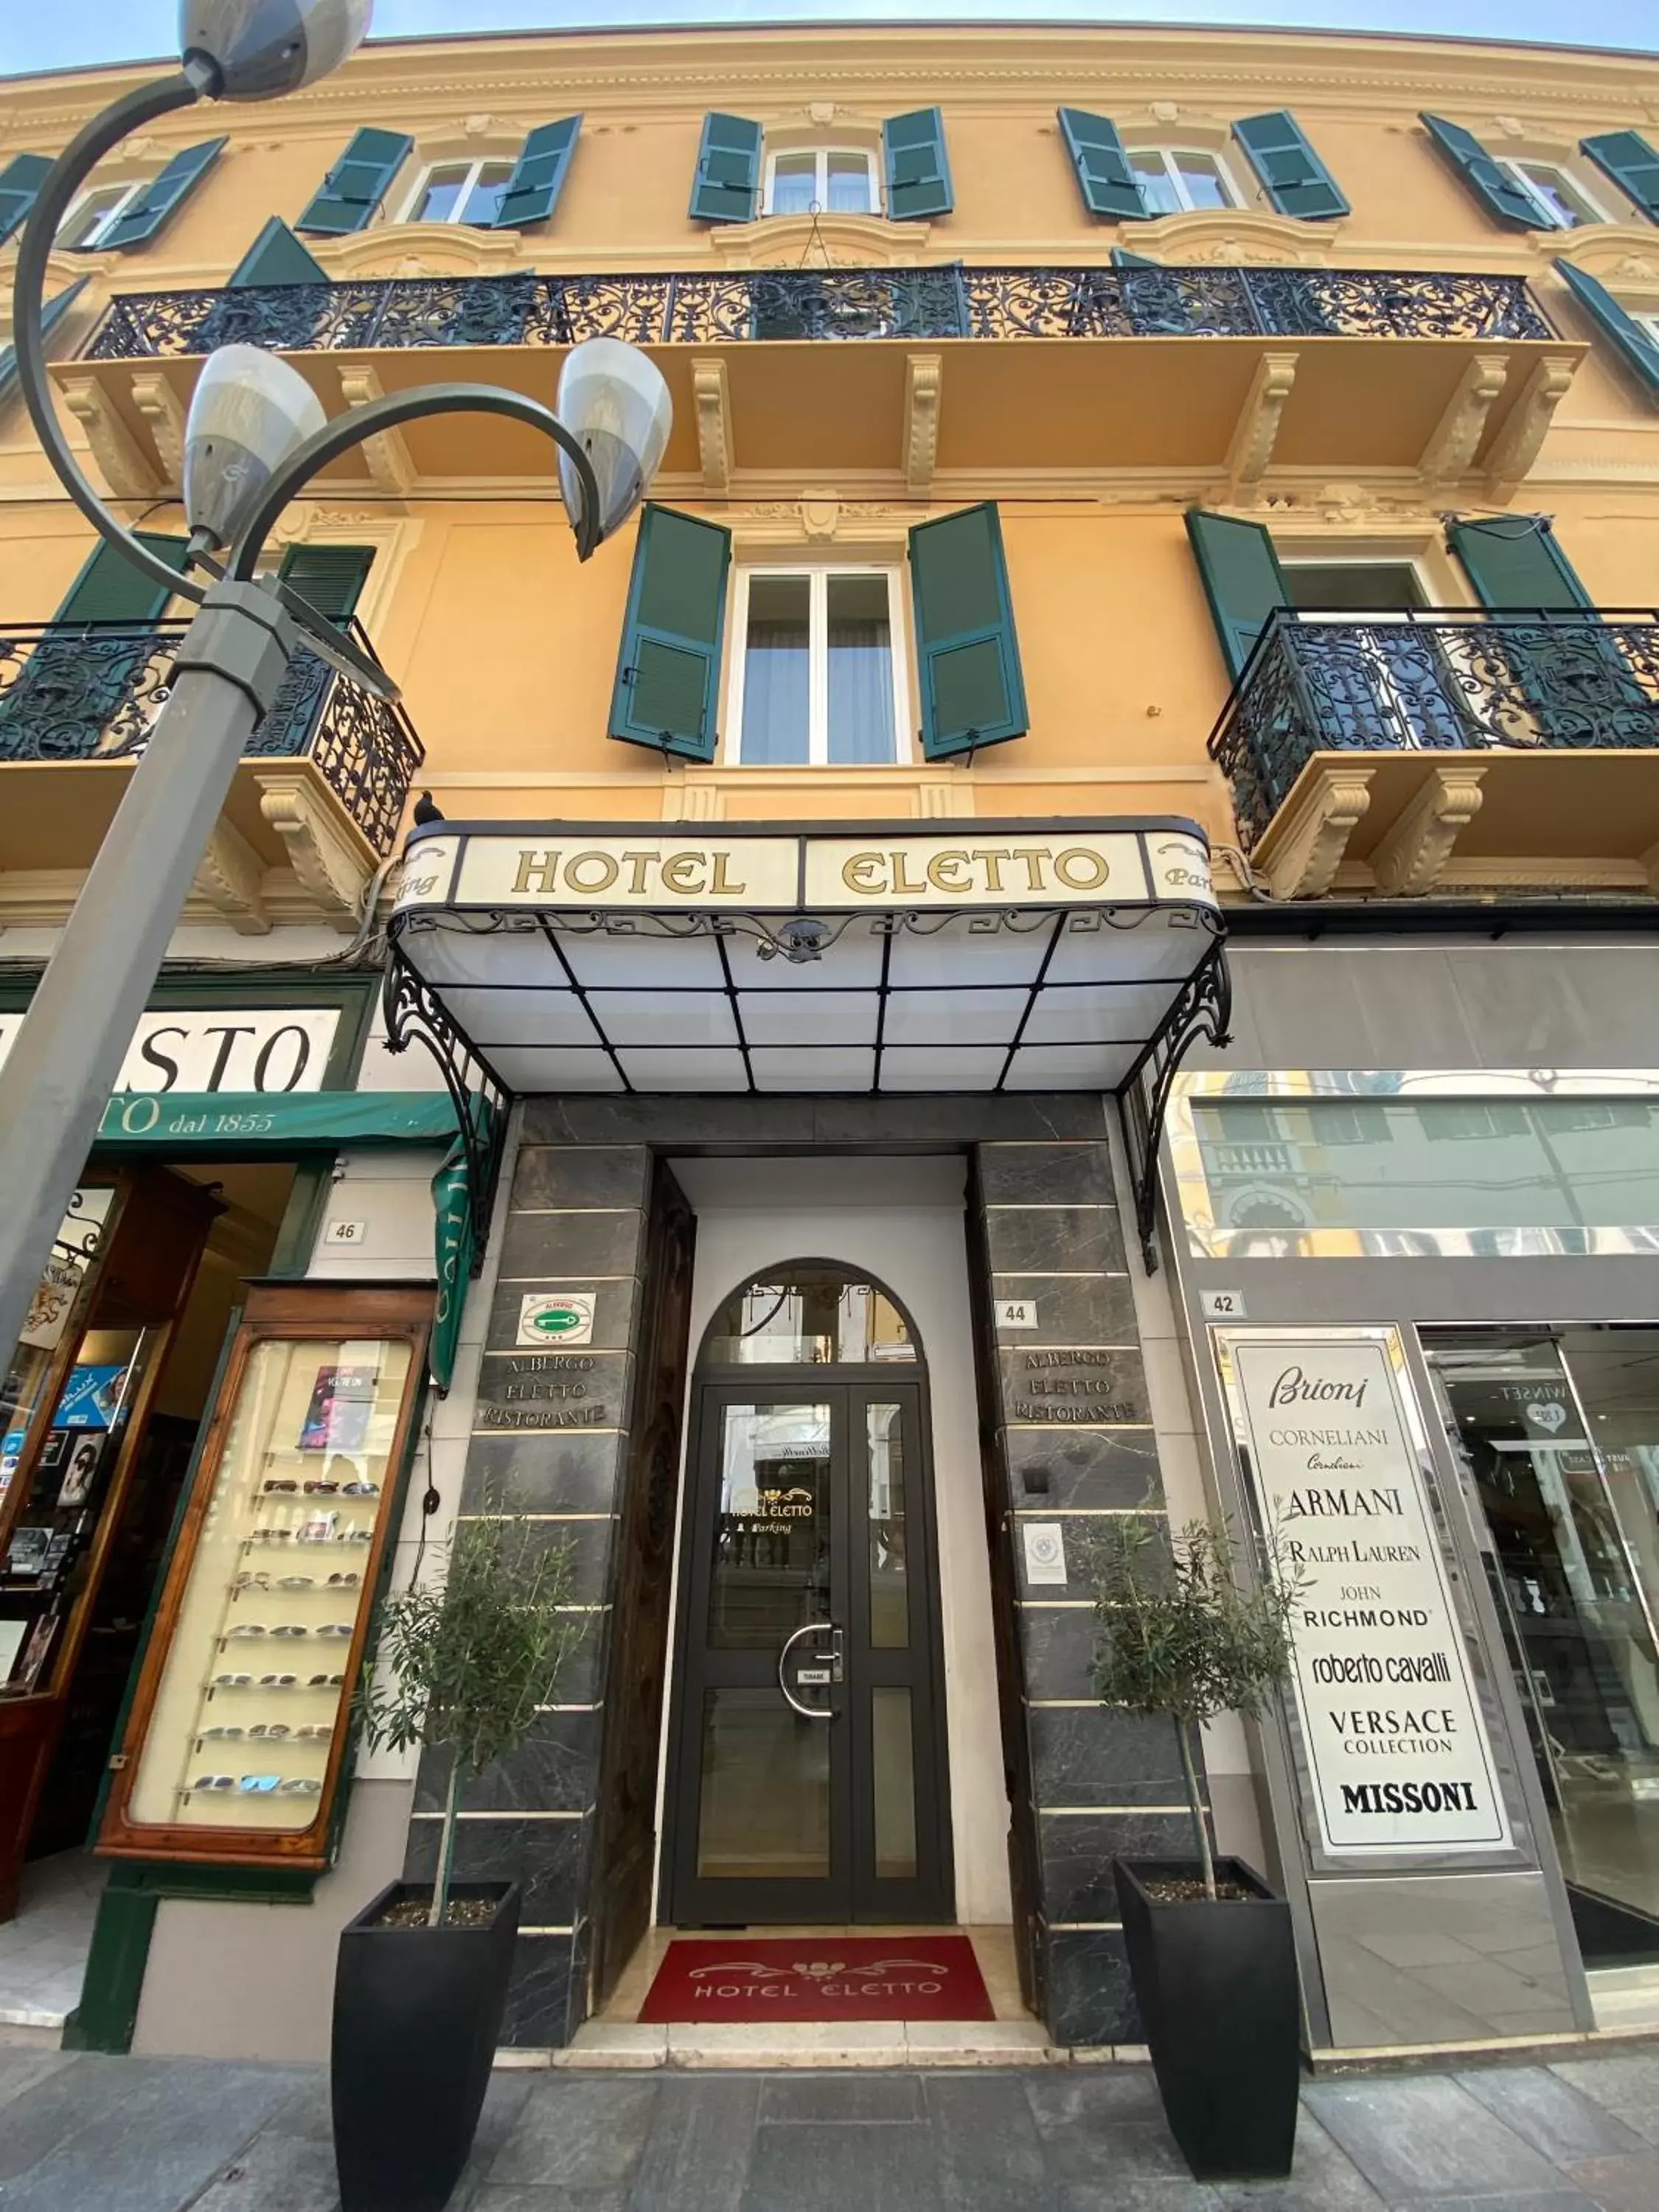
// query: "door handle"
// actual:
[[812, 1628]]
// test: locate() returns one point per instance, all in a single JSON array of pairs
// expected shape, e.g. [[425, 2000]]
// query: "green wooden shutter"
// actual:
[[331, 578], [973, 692], [145, 216], [1243, 579], [51, 315], [533, 191], [1295, 180], [1122, 258], [110, 589], [355, 186], [726, 187], [1638, 350], [1514, 561], [20, 185], [1496, 189], [1629, 160], [1108, 185], [277, 257], [668, 670], [918, 168]]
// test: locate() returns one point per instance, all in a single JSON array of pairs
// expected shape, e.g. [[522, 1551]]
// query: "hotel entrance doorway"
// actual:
[[808, 1776]]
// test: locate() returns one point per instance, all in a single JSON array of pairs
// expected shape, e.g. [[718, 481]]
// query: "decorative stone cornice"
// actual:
[[842, 241]]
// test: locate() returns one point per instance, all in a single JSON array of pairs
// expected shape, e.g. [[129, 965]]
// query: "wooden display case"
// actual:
[[240, 1730]]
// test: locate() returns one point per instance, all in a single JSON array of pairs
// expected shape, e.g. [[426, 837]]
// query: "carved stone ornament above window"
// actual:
[[1623, 256], [419, 249], [851, 242], [1233, 238]]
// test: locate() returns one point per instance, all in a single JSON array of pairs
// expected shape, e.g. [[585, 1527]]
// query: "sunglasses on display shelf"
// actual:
[[344, 1581], [232, 1682], [324, 1681], [252, 1581], [283, 1483], [360, 1490], [337, 1628], [269, 1729], [277, 1681], [314, 1732], [214, 1781], [260, 1785], [213, 1733], [302, 1786]]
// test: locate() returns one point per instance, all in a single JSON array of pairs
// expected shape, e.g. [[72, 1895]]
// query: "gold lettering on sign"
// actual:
[[936, 876], [721, 883], [994, 861], [1079, 869], [537, 871], [586, 881], [862, 872], [681, 872], [636, 864], [972, 872]]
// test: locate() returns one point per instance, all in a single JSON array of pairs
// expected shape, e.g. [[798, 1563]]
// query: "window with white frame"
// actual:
[[1646, 319], [829, 180], [1180, 180], [817, 677], [93, 215], [460, 191], [1562, 203]]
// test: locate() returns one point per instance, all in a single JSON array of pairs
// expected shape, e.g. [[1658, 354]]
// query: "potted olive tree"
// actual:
[[462, 1664], [1211, 1950]]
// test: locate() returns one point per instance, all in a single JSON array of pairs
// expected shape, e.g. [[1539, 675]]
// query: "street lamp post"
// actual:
[[255, 434]]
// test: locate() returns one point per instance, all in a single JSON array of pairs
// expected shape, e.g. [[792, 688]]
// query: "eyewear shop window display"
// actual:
[[237, 1734]]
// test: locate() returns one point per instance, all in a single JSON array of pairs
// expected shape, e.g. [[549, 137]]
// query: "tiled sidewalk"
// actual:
[[125, 2135]]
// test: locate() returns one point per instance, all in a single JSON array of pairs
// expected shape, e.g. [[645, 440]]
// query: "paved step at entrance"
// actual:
[[800, 2044]]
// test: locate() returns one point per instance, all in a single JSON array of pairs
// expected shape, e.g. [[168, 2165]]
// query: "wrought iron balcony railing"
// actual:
[[83, 691], [950, 301], [1443, 679]]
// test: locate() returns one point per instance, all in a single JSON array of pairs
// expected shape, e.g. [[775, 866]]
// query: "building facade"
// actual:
[[1064, 929]]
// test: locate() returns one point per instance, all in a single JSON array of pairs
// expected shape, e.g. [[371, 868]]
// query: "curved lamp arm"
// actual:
[[63, 180], [374, 415]]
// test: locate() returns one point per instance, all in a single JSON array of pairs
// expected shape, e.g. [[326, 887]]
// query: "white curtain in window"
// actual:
[[776, 670], [861, 654]]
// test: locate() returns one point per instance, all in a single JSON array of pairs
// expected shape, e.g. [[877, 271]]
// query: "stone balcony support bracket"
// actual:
[[230, 877], [710, 389], [331, 866], [1299, 855], [159, 404], [1518, 444], [386, 454], [1251, 449], [127, 469], [1452, 445], [1409, 860], [923, 374]]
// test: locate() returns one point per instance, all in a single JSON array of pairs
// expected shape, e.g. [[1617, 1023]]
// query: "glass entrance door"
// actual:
[[808, 1785], [1554, 1428]]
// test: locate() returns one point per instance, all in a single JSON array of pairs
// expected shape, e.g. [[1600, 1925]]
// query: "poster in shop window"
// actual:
[[1397, 1749]]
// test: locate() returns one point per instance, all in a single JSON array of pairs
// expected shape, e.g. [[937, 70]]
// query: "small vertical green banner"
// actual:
[[452, 1204]]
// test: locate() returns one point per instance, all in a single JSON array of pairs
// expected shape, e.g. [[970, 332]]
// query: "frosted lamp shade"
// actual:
[[263, 48], [250, 412], [613, 399]]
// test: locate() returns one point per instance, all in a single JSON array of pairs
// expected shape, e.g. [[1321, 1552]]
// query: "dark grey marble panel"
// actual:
[[544, 1857], [1079, 1849], [571, 1244], [1071, 1385], [556, 1391], [1070, 1309], [580, 1174], [1059, 1644], [1093, 1756], [614, 1309], [1084, 1467], [550, 1471], [539, 1997], [1068, 1236], [591, 1544], [685, 1123], [1080, 1534], [781, 1124], [1045, 1175], [553, 1770], [1089, 1998]]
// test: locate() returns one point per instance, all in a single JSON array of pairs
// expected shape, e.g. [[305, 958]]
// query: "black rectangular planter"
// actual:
[[417, 2014], [1216, 1982]]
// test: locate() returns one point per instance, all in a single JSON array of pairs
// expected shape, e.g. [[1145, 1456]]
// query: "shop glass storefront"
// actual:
[[1500, 1220]]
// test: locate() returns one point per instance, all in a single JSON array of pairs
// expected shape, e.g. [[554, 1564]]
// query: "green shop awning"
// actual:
[[208, 1122]]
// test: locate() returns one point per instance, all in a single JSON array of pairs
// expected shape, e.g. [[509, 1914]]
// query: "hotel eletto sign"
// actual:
[[762, 873]]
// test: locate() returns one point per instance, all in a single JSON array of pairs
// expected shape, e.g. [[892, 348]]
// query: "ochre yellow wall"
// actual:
[[507, 649]]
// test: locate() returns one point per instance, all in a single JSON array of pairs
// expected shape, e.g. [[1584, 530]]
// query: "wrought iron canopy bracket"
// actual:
[[413, 1014], [1201, 1008]]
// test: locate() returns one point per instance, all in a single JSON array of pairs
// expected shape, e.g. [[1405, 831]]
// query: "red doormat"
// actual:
[[826, 1977]]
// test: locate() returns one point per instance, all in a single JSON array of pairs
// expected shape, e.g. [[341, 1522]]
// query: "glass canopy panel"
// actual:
[[1071, 1067], [1083, 1013], [957, 955], [941, 1067], [506, 957], [659, 1018], [528, 1068], [492, 1017], [777, 1068], [809, 1017], [852, 962], [640, 961], [954, 1017], [692, 1068]]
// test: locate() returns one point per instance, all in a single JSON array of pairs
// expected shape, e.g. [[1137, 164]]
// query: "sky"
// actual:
[[44, 34]]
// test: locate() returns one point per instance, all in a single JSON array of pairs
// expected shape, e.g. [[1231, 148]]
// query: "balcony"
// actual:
[[316, 804], [1222, 369], [1448, 751]]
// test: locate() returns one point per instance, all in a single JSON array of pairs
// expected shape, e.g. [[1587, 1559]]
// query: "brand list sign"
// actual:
[[196, 1050], [1396, 1745]]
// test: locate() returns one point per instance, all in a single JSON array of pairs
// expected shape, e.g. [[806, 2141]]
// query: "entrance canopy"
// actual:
[[1000, 956]]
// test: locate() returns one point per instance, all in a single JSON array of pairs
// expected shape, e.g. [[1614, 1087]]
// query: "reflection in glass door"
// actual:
[[1559, 1430], [807, 1784]]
